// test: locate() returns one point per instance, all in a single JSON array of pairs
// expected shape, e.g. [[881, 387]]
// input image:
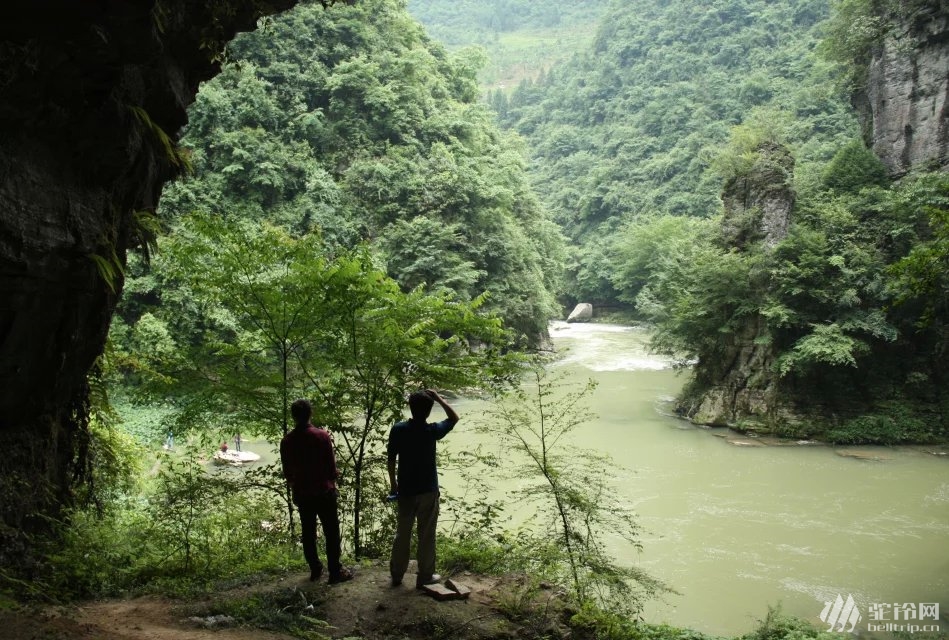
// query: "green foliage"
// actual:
[[761, 127], [777, 626], [503, 553], [856, 28], [146, 227], [655, 98], [893, 423], [648, 251], [107, 463], [848, 328], [593, 622], [179, 533], [168, 150], [701, 306], [854, 167], [453, 22], [97, 555], [922, 276], [423, 250], [351, 123], [114, 462], [276, 320], [109, 267], [825, 344], [523, 38], [204, 526], [259, 290]]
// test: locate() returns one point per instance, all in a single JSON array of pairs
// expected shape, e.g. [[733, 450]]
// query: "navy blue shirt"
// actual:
[[413, 443]]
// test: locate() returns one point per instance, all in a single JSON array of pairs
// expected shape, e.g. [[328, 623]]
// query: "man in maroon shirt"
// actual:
[[309, 464]]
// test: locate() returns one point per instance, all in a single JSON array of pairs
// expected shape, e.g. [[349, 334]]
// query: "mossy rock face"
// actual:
[[753, 426]]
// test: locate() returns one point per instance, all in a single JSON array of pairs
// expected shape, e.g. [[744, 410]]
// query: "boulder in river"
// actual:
[[581, 313]]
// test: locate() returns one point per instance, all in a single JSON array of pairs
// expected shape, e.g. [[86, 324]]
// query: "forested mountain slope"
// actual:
[[354, 123], [706, 162], [631, 127]]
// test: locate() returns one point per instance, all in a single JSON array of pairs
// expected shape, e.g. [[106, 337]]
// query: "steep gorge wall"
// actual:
[[88, 92], [905, 112], [906, 104]]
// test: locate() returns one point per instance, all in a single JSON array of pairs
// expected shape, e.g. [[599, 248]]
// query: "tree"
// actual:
[[282, 321], [854, 167], [258, 292], [648, 248], [379, 344], [353, 124], [570, 488]]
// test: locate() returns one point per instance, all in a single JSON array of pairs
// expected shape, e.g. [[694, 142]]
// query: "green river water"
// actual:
[[736, 528]]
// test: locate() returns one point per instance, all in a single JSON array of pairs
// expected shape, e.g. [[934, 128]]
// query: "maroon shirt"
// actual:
[[309, 463]]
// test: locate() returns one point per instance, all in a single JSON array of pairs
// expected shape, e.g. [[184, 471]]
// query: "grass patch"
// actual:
[[504, 554], [521, 55], [777, 626], [291, 611]]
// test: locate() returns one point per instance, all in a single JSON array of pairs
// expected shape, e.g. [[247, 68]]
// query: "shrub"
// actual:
[[883, 428], [854, 167]]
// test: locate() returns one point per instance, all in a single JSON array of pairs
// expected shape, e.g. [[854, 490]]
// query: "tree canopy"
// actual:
[[353, 123], [631, 126]]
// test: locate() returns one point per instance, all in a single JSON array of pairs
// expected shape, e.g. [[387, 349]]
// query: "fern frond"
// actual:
[[176, 157], [110, 268]]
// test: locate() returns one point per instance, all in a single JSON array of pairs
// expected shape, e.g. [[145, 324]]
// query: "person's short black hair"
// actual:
[[420, 404], [301, 410]]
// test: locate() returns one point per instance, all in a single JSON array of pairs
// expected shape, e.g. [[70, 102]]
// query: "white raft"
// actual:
[[235, 458]]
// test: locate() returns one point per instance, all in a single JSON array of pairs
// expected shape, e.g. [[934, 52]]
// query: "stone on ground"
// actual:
[[462, 591], [441, 592]]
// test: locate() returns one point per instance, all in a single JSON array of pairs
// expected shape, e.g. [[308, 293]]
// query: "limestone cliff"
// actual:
[[741, 386], [905, 106], [91, 97]]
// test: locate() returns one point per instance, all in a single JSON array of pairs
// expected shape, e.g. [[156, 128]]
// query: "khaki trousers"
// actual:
[[422, 508]]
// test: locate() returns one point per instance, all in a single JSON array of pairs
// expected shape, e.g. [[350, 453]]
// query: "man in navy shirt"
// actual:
[[412, 447], [309, 464]]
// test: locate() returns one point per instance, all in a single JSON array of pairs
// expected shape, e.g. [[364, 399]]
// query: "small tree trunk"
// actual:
[[357, 508]]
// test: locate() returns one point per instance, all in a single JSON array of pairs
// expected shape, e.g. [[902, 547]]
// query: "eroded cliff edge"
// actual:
[[92, 95], [903, 103]]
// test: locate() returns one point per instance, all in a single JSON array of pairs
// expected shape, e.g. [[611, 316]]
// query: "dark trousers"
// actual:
[[325, 508]]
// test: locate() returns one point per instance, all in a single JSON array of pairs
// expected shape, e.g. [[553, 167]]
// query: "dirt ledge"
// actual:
[[367, 608]]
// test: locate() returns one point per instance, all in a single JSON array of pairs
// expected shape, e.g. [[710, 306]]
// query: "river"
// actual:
[[736, 528]]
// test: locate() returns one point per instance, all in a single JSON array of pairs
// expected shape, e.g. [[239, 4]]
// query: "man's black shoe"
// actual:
[[343, 576]]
